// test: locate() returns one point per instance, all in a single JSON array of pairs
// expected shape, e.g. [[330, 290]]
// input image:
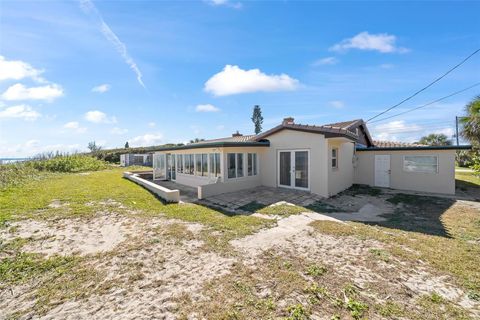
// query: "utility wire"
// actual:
[[428, 86], [427, 104]]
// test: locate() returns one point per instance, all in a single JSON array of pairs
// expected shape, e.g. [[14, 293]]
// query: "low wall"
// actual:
[[209, 190], [164, 193]]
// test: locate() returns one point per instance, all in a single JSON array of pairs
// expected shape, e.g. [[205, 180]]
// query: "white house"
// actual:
[[324, 160]]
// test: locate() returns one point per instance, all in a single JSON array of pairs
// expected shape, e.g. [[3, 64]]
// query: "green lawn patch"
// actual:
[[283, 210]]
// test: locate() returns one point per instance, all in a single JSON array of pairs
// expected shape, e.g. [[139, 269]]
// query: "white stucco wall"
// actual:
[[441, 182], [293, 140], [223, 184], [340, 178]]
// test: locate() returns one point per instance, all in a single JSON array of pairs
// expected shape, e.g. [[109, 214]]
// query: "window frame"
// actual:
[[334, 167], [436, 165], [252, 157]]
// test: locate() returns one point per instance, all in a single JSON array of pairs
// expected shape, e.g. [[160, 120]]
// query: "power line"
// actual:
[[430, 103], [428, 86]]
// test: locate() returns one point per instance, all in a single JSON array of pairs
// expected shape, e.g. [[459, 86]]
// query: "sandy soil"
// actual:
[[150, 270]]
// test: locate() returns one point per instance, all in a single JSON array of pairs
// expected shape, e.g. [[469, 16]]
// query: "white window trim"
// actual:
[[421, 155], [332, 157], [254, 164], [245, 166]]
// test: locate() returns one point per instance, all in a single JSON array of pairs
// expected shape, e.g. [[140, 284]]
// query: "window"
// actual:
[[214, 164], [198, 164], [189, 164], [180, 163], [335, 158], [204, 164], [252, 164], [231, 165], [239, 165], [425, 164]]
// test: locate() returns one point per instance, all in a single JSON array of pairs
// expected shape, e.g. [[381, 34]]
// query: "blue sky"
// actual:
[[156, 71]]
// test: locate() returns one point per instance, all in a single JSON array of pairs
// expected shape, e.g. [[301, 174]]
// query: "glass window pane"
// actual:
[[212, 163], [254, 164], [217, 164], [239, 165], [285, 169], [426, 164], [198, 164], [301, 169], [250, 164], [204, 164], [192, 164], [231, 165]]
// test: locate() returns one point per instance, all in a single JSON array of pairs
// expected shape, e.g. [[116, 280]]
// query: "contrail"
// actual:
[[89, 8]]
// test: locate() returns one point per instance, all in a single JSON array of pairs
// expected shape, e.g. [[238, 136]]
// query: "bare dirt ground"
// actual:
[[136, 267]]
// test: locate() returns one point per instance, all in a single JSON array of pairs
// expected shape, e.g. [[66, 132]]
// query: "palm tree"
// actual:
[[471, 122], [435, 139]]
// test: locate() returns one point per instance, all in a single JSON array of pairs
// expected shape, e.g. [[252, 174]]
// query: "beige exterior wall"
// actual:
[[340, 178], [441, 182], [209, 186], [295, 140]]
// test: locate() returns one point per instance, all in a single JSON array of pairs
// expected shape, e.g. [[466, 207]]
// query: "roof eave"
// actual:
[[465, 147], [218, 145]]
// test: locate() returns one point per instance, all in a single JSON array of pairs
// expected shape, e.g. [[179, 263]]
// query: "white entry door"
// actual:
[[382, 170], [294, 169]]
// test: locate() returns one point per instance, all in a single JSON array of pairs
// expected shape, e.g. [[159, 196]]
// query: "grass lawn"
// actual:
[[315, 274], [86, 193]]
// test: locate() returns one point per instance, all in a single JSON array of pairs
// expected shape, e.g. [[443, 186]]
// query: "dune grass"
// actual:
[[84, 194]]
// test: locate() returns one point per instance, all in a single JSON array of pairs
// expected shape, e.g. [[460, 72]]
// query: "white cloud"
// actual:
[[387, 66], [337, 104], [235, 5], [97, 116], [233, 80], [206, 108], [118, 131], [101, 88], [17, 70], [325, 61], [34, 147], [89, 8], [19, 112], [20, 92], [74, 125], [220, 127], [152, 124], [397, 130], [149, 139], [382, 42]]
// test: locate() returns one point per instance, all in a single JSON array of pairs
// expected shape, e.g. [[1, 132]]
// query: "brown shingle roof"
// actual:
[[396, 144], [308, 128], [242, 138], [343, 124]]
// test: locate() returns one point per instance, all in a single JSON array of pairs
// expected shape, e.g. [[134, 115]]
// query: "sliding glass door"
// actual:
[[293, 169]]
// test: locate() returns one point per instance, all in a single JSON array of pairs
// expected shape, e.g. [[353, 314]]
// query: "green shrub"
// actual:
[[16, 173], [68, 163]]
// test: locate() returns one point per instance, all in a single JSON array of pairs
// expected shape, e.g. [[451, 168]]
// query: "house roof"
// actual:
[[343, 124], [239, 138], [328, 131], [395, 144], [411, 146]]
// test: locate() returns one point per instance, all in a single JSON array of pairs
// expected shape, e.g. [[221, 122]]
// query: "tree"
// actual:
[[196, 140], [257, 119], [436, 139], [92, 146], [471, 122], [127, 145]]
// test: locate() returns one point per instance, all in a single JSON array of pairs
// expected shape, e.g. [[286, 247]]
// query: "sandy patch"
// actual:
[[72, 236], [350, 257]]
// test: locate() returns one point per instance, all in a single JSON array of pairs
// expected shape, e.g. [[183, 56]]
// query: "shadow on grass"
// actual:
[[469, 188], [415, 213]]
